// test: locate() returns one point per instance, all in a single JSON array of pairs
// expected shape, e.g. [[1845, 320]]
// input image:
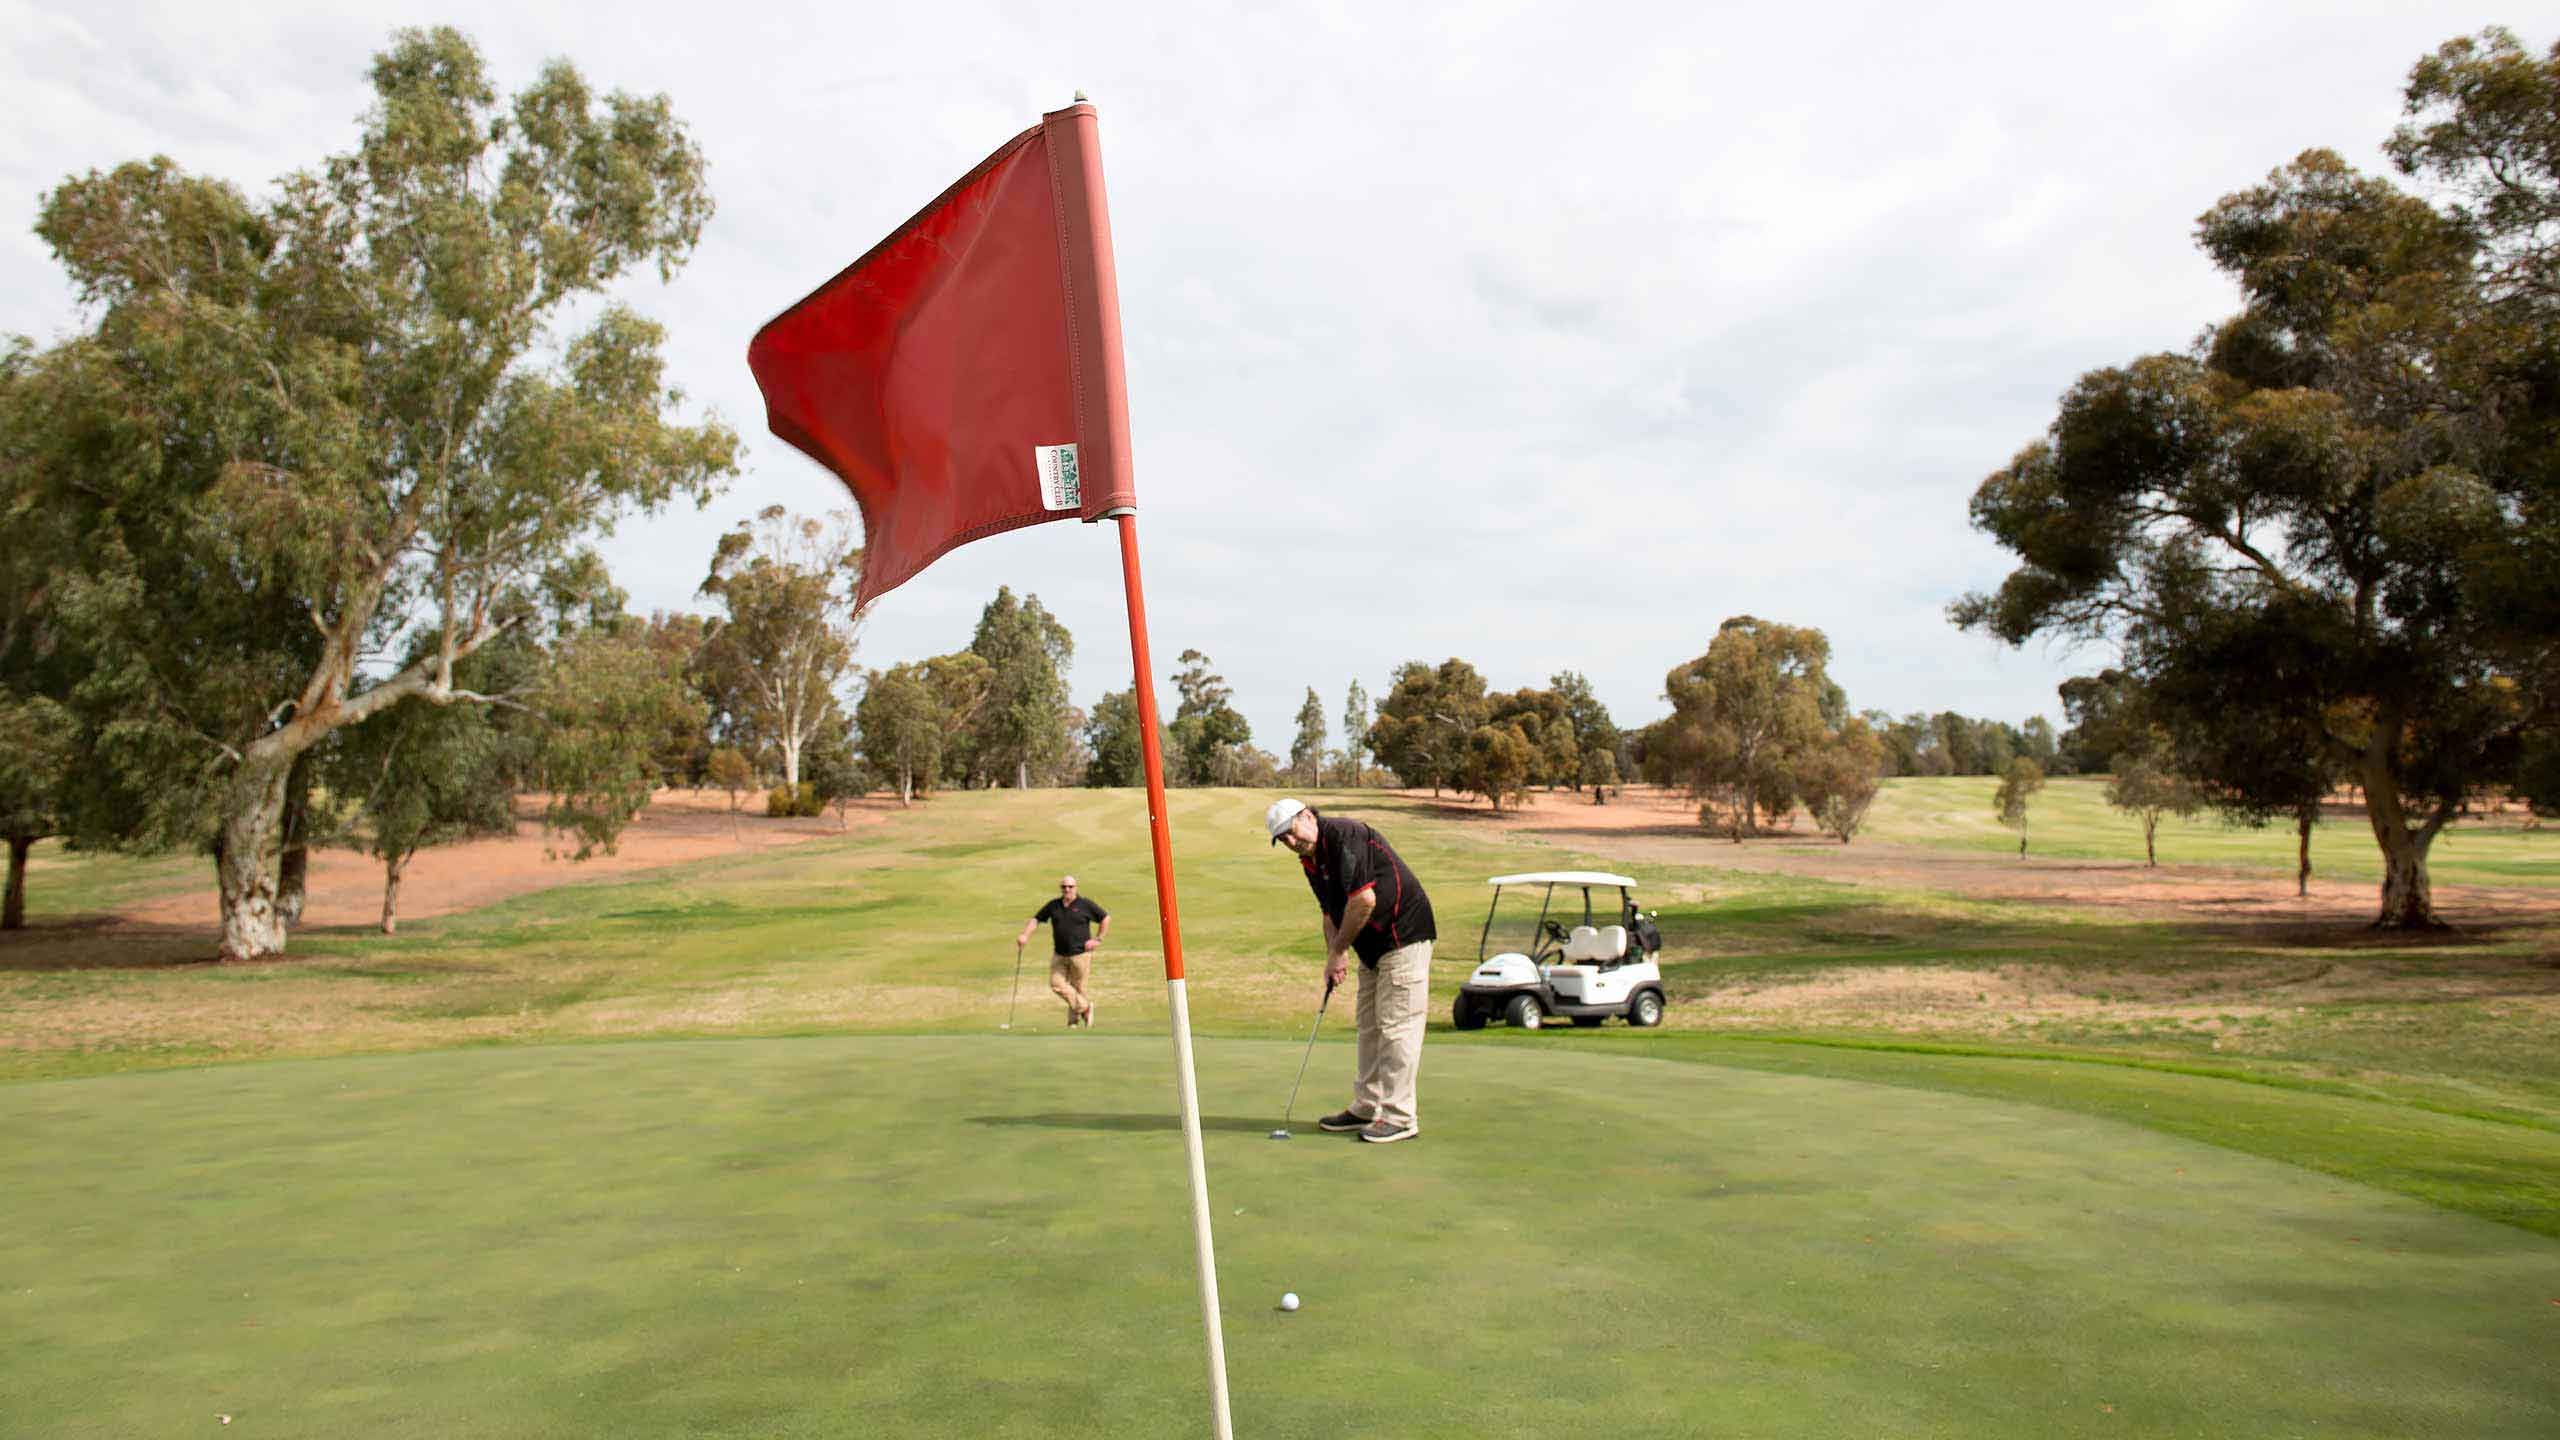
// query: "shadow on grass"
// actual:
[[103, 942], [1126, 1123]]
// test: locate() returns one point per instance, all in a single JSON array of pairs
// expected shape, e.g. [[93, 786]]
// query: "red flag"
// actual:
[[964, 377]]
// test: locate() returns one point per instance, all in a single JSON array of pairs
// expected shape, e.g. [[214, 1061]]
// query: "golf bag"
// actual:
[[1643, 932]]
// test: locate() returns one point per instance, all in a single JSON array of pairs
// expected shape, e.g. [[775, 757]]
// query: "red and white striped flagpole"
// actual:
[[1169, 915]]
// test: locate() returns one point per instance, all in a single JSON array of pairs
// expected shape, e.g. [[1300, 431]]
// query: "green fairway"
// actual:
[[986, 1236], [2070, 819], [907, 927]]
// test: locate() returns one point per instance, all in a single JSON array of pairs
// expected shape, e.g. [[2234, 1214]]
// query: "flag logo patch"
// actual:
[[1059, 487]]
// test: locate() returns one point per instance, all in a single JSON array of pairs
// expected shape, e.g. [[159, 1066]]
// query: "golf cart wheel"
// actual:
[[1645, 1011], [1585, 1022], [1524, 1014], [1465, 1015]]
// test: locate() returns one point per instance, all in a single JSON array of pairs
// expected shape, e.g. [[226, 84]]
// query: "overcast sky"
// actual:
[[1547, 336]]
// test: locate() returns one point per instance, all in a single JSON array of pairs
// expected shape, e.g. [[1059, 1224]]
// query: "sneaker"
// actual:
[[1088, 1017], [1344, 1122], [1388, 1132]]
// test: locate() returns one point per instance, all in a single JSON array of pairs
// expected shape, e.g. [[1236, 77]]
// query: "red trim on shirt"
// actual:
[[1397, 904]]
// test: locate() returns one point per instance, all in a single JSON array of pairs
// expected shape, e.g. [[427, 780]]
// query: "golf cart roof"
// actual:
[[1563, 877]]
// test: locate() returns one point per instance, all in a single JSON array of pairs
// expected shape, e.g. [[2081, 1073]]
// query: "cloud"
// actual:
[[1545, 336]]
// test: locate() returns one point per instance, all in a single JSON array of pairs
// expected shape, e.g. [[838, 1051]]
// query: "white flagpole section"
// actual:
[[1205, 1252], [1168, 912]]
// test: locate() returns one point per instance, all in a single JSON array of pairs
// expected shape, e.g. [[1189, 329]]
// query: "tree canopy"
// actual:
[[1306, 751], [1424, 721], [1021, 727], [1208, 735], [901, 722], [2335, 513], [776, 656], [1740, 716], [302, 429]]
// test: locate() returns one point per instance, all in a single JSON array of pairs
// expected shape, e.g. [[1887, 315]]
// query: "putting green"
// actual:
[[986, 1236]]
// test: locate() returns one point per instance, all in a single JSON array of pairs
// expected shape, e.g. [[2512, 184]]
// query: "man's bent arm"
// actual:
[[1355, 918]]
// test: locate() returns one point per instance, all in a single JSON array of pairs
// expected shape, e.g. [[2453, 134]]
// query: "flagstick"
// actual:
[[1169, 914]]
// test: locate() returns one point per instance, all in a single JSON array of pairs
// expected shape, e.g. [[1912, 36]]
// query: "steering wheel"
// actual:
[[1552, 931]]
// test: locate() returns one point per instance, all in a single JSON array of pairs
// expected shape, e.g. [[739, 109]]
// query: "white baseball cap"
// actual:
[[1279, 816]]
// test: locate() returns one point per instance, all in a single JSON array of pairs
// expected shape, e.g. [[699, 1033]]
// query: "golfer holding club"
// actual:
[[1076, 928], [1373, 907]]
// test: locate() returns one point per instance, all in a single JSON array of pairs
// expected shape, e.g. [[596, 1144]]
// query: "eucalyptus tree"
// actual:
[[1306, 752], [1022, 725], [2018, 785], [304, 431], [1594, 733], [1838, 779], [900, 724], [599, 705], [1498, 763], [1426, 719], [784, 640], [1741, 716], [1208, 733], [1355, 729], [2146, 785], [417, 776], [2338, 514]]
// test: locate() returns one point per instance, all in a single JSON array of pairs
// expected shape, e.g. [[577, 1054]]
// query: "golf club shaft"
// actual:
[[1291, 1112], [1017, 988]]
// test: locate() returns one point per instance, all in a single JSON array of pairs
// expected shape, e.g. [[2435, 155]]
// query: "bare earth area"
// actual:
[[345, 886]]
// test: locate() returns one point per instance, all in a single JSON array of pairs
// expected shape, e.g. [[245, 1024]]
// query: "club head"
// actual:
[[1007, 1026], [1281, 1134]]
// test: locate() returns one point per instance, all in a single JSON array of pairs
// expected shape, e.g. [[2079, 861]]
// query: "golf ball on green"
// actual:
[[1289, 1301]]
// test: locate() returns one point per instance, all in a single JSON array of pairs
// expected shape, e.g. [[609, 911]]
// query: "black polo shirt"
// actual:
[[1070, 925], [1349, 858]]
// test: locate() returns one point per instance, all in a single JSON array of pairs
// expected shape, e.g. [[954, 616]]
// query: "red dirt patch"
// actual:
[[345, 886]]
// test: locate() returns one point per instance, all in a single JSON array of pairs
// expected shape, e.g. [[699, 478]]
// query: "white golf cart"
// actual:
[[1586, 974]]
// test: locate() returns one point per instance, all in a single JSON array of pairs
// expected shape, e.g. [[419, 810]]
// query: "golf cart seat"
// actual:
[[1604, 945]]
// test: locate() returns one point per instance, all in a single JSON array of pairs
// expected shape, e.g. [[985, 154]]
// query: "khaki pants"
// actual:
[[1067, 974], [1393, 999]]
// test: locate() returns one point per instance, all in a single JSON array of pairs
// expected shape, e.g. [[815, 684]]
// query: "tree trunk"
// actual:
[[293, 871], [1021, 774], [246, 854], [2303, 821], [2408, 901], [293, 876], [13, 910], [391, 893], [791, 762], [2150, 837], [906, 787]]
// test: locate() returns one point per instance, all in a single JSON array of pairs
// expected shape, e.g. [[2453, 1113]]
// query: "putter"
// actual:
[[1283, 1132], [1017, 990]]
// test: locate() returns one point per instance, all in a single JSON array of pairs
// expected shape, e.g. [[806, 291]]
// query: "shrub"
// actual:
[[782, 802]]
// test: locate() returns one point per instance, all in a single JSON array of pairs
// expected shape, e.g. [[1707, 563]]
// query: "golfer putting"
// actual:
[[1369, 905], [1076, 928]]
